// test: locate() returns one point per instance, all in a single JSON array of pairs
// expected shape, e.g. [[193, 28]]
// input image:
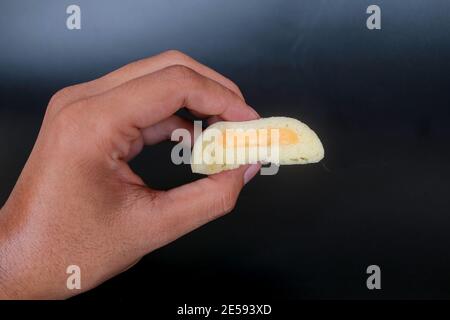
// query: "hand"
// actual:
[[77, 202]]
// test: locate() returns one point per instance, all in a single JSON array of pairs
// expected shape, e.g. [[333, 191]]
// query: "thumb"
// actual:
[[185, 208]]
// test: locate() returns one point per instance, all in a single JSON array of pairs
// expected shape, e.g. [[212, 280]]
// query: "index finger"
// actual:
[[149, 99], [138, 69]]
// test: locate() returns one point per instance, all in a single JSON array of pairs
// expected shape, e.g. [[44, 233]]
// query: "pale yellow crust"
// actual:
[[306, 149]]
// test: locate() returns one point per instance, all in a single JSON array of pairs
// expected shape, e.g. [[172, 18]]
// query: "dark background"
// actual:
[[379, 100]]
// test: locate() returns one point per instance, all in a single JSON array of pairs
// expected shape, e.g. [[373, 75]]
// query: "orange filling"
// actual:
[[259, 137]]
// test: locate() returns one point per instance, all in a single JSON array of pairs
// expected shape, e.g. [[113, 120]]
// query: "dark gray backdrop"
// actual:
[[379, 100]]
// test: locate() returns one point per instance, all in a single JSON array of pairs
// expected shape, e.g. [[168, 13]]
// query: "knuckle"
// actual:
[[68, 95], [64, 128], [67, 118], [176, 57], [59, 97], [77, 126], [180, 70]]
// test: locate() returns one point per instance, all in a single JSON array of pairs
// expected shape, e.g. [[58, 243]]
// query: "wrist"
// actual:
[[3, 292], [11, 286], [4, 258], [21, 277]]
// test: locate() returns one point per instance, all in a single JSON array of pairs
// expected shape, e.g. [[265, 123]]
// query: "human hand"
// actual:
[[77, 202]]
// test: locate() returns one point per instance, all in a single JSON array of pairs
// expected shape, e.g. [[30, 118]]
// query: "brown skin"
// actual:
[[78, 202]]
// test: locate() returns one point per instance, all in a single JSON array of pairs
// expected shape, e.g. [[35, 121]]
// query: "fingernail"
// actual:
[[251, 172]]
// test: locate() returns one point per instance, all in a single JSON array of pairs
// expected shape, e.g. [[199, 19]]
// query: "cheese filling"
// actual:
[[258, 138]]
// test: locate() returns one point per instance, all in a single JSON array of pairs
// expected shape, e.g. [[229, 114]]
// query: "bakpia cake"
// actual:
[[280, 140]]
